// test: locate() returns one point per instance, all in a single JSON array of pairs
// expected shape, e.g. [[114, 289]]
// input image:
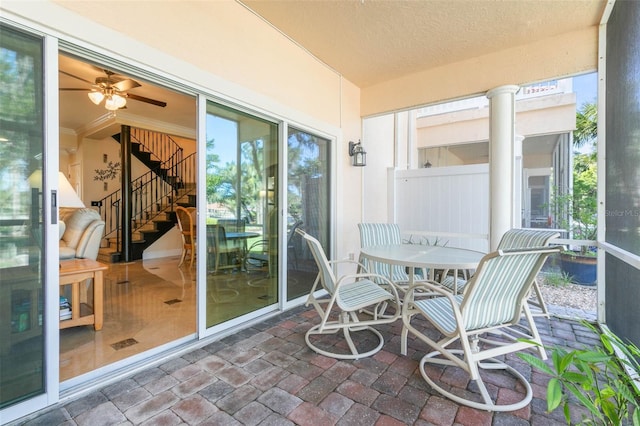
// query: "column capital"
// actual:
[[502, 90]]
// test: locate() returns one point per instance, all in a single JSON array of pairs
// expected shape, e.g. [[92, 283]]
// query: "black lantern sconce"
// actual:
[[358, 153]]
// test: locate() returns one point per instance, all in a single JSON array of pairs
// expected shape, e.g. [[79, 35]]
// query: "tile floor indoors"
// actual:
[[137, 301], [140, 296], [266, 375]]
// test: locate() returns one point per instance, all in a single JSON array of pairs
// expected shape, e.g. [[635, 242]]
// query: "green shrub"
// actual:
[[558, 279], [599, 379]]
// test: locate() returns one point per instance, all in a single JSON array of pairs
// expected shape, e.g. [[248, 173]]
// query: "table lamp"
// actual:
[[67, 196]]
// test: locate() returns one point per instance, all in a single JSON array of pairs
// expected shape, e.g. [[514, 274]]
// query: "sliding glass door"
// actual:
[[308, 184], [241, 213], [22, 355]]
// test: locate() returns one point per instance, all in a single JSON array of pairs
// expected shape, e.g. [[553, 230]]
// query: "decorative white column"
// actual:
[[518, 185], [501, 157]]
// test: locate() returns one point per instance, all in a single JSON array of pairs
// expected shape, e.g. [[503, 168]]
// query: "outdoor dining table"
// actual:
[[418, 256]]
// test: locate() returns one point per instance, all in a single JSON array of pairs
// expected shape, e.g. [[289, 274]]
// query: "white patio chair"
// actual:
[[515, 239], [375, 234], [523, 238], [494, 302], [346, 297]]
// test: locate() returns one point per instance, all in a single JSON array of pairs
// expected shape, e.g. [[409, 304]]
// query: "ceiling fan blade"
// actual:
[[76, 77], [147, 100], [70, 89], [126, 84]]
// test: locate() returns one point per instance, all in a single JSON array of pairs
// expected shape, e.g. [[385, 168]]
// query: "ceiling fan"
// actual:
[[113, 89]]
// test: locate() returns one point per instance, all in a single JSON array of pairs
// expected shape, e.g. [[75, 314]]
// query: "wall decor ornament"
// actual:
[[109, 173]]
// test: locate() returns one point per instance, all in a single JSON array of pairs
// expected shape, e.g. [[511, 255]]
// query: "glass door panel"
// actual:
[[308, 206], [242, 205], [21, 217]]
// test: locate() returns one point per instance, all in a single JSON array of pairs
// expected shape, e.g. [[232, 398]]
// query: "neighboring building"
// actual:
[[457, 133]]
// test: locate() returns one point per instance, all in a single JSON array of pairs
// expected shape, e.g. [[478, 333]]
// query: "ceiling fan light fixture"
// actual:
[[120, 100], [96, 97], [115, 102]]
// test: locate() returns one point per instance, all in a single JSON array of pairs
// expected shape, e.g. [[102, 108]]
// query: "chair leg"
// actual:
[[193, 256], [539, 303], [486, 364], [184, 254]]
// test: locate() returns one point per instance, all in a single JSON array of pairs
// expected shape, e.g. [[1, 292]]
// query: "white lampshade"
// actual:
[[35, 179], [114, 102], [67, 196], [120, 100], [96, 97]]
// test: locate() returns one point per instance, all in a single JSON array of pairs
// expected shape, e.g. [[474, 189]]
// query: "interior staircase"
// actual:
[[170, 182], [146, 234]]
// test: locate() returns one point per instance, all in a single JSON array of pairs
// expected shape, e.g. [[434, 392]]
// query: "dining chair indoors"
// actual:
[[340, 307], [226, 255], [479, 326], [186, 225]]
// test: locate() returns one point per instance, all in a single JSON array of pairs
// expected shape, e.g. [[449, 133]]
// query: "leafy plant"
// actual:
[[559, 279], [596, 377], [424, 241], [578, 211]]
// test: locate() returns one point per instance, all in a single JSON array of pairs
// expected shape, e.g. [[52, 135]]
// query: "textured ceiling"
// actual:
[[371, 41]]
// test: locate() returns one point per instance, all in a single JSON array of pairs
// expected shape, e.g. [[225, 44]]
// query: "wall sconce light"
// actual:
[[358, 153]]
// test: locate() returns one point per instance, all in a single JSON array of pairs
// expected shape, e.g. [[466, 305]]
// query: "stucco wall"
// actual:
[[225, 50], [556, 57], [223, 38]]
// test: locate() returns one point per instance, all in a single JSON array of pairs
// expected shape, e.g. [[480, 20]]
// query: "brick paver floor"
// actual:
[[266, 375]]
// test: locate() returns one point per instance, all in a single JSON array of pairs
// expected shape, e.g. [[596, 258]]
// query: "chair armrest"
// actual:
[[89, 243], [360, 266], [425, 289]]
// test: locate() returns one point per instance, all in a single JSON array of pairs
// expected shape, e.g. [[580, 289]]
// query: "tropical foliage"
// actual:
[[598, 378], [577, 211]]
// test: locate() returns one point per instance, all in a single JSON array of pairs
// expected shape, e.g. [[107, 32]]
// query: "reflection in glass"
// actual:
[[242, 226], [308, 206], [21, 283]]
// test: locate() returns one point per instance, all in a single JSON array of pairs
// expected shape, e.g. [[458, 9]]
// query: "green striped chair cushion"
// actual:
[[359, 294], [521, 238], [494, 295], [375, 234], [440, 312]]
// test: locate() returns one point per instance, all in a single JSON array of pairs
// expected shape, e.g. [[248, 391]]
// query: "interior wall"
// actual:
[[565, 55], [92, 154]]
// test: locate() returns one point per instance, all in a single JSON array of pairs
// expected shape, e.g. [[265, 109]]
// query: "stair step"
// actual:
[[163, 225], [145, 157]]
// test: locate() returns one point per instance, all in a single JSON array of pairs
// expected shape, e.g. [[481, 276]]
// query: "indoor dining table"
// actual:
[[416, 256]]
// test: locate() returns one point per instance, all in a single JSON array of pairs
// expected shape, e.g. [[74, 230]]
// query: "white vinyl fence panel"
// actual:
[[449, 205]]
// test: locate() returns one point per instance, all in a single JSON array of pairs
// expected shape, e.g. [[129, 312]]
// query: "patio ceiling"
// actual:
[[372, 41], [367, 41]]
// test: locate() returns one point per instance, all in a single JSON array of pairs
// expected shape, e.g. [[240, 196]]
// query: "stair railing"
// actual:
[[160, 145], [152, 193]]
